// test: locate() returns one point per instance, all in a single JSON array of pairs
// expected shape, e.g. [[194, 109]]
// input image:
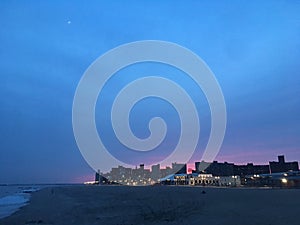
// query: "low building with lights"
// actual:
[[204, 180], [229, 169], [285, 180], [195, 179], [175, 179], [210, 180]]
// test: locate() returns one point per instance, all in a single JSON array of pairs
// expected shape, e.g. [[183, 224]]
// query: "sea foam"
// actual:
[[10, 204]]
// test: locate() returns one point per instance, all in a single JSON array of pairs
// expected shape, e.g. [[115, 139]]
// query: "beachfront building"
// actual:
[[210, 180], [229, 169], [230, 181], [287, 180], [181, 179], [195, 179], [175, 179], [203, 180]]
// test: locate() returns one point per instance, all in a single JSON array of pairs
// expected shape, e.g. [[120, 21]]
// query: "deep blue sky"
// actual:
[[252, 47]]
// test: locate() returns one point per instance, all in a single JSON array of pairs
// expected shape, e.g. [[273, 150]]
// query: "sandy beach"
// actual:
[[119, 205]]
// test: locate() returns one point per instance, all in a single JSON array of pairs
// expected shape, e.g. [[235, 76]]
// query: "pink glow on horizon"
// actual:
[[257, 156], [84, 178]]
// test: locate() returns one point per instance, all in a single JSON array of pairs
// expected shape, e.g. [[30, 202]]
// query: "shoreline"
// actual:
[[15, 196], [87, 205]]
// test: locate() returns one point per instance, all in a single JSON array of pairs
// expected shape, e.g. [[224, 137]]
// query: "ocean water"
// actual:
[[13, 197]]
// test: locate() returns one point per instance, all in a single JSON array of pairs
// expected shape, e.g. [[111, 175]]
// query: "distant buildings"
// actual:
[[138, 176], [195, 179], [243, 170], [281, 173], [282, 166], [179, 168], [215, 168], [155, 172], [230, 169]]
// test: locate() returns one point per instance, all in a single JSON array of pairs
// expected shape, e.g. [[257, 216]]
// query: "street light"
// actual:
[[284, 180]]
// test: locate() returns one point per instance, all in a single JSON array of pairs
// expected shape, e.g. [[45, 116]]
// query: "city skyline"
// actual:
[[251, 47], [275, 173], [192, 165]]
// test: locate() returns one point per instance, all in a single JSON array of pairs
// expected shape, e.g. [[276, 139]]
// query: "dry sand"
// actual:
[[119, 205]]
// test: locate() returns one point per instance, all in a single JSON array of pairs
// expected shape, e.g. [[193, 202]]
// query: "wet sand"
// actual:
[[119, 205]]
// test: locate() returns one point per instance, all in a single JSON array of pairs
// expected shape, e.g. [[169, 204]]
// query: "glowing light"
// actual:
[[284, 180], [90, 182]]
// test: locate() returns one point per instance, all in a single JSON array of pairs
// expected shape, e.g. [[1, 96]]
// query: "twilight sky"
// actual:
[[253, 48]]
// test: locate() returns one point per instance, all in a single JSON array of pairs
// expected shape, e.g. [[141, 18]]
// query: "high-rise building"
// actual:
[[155, 172], [282, 166], [97, 176], [215, 168], [178, 168]]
